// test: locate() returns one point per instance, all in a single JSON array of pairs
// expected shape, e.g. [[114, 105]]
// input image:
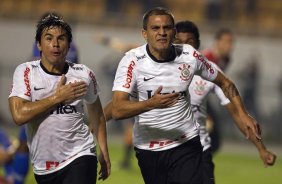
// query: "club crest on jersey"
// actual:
[[200, 87], [185, 73]]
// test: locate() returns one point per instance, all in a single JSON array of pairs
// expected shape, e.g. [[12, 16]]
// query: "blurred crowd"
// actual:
[[248, 16]]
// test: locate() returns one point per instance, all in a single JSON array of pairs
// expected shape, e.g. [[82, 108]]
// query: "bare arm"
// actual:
[[123, 108], [23, 110], [5, 156], [266, 156], [231, 92], [108, 110], [98, 123]]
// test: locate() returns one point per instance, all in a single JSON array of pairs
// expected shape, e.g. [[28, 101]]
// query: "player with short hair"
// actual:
[[166, 137], [188, 33], [48, 96]]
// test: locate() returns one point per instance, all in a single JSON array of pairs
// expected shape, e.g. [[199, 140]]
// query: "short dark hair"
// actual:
[[52, 19], [156, 11], [187, 26], [222, 32]]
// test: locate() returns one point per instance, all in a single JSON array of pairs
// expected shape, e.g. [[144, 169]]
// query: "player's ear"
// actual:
[[144, 34], [38, 46]]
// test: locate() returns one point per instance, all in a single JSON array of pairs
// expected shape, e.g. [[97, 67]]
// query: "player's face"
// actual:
[[225, 44], [160, 33], [186, 38], [54, 45]]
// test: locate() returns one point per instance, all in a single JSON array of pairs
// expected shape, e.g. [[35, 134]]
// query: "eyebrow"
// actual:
[[61, 35]]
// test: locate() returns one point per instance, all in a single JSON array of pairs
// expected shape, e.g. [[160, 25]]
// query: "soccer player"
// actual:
[[220, 53], [188, 33], [166, 138], [48, 97]]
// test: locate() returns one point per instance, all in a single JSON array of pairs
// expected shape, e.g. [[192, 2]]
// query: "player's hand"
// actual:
[[105, 164], [267, 157], [251, 124], [164, 100], [69, 92]]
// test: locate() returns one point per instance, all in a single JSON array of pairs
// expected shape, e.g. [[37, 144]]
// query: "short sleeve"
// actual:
[[219, 93], [21, 86], [205, 67], [93, 90], [125, 78]]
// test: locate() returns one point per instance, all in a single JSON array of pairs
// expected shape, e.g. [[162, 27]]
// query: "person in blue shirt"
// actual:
[[15, 160]]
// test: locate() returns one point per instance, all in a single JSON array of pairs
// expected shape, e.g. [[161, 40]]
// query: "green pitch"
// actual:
[[231, 168]]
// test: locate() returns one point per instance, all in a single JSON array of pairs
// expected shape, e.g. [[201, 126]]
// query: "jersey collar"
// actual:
[[171, 58], [66, 69]]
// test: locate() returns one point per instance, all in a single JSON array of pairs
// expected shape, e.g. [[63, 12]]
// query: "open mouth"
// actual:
[[162, 40], [56, 53]]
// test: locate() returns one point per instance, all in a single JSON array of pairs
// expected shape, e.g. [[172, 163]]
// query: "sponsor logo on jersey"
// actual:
[[64, 109], [185, 73], [200, 87], [129, 74], [140, 57], [26, 82], [202, 59], [182, 93], [153, 144], [94, 82]]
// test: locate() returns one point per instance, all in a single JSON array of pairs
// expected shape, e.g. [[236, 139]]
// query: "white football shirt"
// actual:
[[162, 129], [60, 136], [199, 90]]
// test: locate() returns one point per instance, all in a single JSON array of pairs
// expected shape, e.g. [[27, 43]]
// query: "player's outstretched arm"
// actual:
[[267, 157], [231, 92], [98, 123], [23, 110], [123, 107]]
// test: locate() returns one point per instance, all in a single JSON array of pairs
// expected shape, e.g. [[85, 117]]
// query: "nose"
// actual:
[[55, 43], [162, 31]]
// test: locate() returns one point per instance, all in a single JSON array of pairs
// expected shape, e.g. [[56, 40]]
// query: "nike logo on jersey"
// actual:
[[36, 89], [146, 79]]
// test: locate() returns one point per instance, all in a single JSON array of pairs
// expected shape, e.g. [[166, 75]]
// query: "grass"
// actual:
[[231, 168]]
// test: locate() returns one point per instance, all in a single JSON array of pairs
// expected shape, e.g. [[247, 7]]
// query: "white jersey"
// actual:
[[199, 90], [162, 129], [60, 136]]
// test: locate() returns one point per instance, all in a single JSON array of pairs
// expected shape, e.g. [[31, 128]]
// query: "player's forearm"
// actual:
[[102, 139], [236, 117], [24, 111], [123, 109], [108, 111], [231, 92]]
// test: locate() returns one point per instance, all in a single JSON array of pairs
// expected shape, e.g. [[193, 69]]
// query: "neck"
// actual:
[[57, 68], [161, 54]]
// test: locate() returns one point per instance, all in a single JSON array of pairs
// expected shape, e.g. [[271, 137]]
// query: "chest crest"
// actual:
[[185, 74]]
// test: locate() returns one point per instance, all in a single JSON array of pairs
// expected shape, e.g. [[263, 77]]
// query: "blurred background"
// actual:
[[256, 60]]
